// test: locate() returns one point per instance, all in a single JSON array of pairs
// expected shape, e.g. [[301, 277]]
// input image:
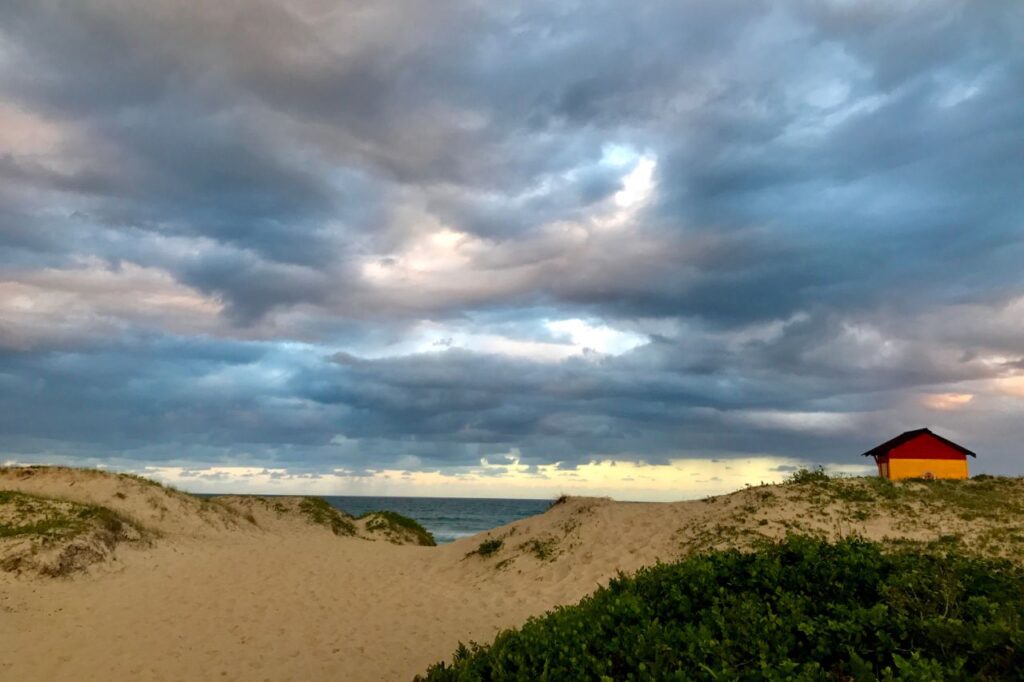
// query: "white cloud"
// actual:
[[96, 300], [572, 337], [801, 422], [596, 337]]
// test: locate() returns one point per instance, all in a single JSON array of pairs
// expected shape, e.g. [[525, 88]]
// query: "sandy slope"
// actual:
[[217, 597]]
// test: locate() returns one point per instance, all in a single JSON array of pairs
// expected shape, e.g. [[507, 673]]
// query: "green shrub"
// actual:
[[545, 549], [804, 475], [488, 547], [561, 499], [800, 609], [321, 512], [395, 522]]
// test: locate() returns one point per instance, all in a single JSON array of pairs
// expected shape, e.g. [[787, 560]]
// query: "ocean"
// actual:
[[447, 518]]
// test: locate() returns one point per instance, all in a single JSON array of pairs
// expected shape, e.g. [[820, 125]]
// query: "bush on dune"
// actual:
[[28, 515], [803, 476], [398, 524], [320, 512], [799, 609], [488, 547]]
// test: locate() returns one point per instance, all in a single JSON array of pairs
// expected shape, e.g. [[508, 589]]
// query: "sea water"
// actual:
[[447, 518]]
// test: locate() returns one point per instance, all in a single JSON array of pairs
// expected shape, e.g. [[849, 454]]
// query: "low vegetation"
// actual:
[[320, 512], [996, 501], [981, 497], [804, 475], [984, 515], [56, 537], [273, 504], [544, 549], [798, 609], [396, 527], [488, 547], [146, 482], [23, 515]]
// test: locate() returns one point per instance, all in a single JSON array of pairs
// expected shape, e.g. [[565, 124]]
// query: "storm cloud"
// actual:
[[320, 235]]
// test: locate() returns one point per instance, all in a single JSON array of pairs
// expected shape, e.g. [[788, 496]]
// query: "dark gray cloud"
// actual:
[[346, 235]]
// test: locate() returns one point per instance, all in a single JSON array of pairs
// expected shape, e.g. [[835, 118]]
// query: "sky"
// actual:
[[649, 250]]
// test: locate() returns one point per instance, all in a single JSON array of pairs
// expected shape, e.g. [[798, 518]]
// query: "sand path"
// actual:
[[290, 609]]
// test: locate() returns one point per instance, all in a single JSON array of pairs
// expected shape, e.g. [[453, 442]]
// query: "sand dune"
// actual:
[[154, 506], [219, 596]]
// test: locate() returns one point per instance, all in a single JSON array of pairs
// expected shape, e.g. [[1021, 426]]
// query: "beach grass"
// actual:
[[544, 549], [487, 548], [33, 515], [397, 525], [320, 512]]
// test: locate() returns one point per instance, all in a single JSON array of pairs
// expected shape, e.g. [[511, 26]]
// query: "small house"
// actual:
[[920, 454]]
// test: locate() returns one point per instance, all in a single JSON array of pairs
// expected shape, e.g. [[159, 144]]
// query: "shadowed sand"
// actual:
[[236, 590]]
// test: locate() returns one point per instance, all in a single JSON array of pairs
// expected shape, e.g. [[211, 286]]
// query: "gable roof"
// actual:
[[911, 435]]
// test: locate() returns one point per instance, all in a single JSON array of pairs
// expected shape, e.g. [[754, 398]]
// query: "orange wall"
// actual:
[[917, 468]]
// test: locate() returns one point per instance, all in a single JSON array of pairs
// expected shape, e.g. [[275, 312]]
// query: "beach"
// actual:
[[239, 591]]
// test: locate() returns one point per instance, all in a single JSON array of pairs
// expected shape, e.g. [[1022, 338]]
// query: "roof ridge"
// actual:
[[908, 435]]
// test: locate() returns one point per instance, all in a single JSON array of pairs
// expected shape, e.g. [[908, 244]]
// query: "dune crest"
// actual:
[[60, 521], [151, 505]]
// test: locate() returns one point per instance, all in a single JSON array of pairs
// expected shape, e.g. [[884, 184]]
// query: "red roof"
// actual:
[[889, 445]]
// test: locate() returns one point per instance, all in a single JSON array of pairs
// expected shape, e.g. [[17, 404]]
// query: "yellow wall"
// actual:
[[917, 468]]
